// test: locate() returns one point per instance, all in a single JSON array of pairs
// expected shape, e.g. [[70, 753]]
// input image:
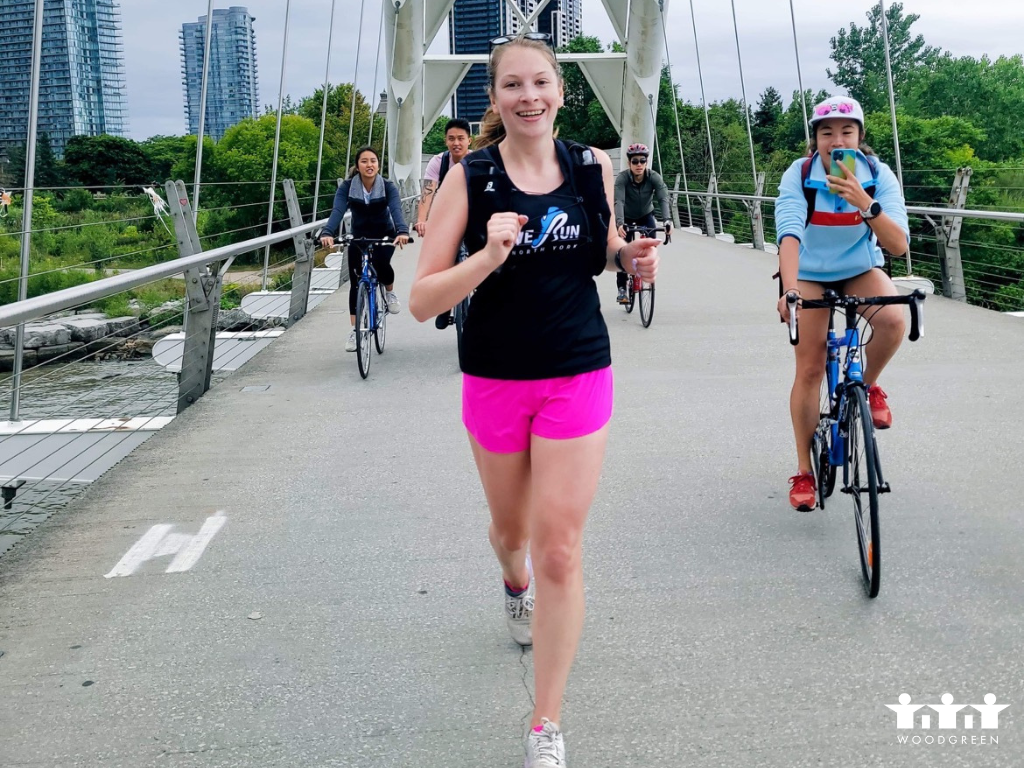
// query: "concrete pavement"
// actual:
[[348, 612]]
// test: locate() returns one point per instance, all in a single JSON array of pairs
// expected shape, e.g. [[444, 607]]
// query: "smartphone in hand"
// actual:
[[847, 157]]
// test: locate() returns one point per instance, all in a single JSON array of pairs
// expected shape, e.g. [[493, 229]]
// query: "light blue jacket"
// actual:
[[839, 244]]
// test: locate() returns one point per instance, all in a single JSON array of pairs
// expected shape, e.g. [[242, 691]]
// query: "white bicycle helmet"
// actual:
[[838, 106]]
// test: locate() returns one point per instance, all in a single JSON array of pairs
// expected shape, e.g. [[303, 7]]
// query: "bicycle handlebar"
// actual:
[[633, 228], [352, 240], [832, 300]]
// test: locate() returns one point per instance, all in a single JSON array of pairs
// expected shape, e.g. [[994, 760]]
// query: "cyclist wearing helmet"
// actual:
[[831, 231], [635, 189]]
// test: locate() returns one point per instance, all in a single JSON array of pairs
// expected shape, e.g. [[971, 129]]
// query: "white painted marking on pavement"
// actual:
[[158, 541], [193, 550], [140, 552]]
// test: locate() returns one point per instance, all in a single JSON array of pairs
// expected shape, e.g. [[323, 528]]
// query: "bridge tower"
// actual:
[[419, 85]]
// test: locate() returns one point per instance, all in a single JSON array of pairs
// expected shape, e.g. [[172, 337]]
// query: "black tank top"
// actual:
[[538, 316]]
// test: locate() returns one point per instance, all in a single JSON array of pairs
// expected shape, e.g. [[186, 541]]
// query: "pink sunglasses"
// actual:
[[826, 109]]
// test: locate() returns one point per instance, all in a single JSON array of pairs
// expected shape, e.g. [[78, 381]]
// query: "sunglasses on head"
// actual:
[[638, 161], [540, 37], [828, 109]]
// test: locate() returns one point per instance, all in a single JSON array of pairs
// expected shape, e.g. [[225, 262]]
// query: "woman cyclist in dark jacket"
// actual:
[[376, 213]]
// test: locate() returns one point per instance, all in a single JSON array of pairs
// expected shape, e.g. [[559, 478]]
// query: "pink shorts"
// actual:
[[502, 414]]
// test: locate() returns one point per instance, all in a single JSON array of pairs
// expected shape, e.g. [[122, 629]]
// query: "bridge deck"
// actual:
[[723, 629]]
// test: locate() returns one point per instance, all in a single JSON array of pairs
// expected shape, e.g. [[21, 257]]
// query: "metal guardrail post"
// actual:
[[706, 203], [304, 249], [203, 288], [948, 245], [674, 197], [756, 218]]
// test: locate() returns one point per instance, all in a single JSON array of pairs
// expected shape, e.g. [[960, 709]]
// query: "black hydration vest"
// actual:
[[538, 316], [490, 191]]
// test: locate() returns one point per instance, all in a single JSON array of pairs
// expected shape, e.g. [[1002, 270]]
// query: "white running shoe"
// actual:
[[519, 612], [350, 345], [545, 748], [394, 305]]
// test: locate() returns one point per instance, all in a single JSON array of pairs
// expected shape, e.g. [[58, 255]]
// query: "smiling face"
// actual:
[[457, 141], [526, 89], [368, 165], [837, 133]]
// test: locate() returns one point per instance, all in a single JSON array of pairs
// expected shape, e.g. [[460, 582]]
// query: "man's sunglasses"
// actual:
[[638, 161], [540, 37]]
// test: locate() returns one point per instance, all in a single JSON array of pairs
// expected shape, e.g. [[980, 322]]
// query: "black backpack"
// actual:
[[490, 192], [446, 164]]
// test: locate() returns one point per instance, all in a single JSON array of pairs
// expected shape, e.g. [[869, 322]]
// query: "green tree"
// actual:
[[49, 172], [859, 54], [582, 118], [106, 161], [433, 142], [339, 113], [164, 152], [242, 166], [988, 93], [767, 118]]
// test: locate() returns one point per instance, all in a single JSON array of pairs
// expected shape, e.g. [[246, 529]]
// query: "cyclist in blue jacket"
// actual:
[[834, 239], [376, 213]]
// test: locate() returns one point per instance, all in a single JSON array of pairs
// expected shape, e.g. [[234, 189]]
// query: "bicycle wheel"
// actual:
[[630, 295], [821, 447], [824, 469], [381, 326], [363, 328], [647, 304], [863, 487]]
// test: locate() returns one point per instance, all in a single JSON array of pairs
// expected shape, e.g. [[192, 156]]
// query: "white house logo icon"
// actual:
[[947, 717]]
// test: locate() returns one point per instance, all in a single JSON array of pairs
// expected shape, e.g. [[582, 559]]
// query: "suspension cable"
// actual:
[[799, 76], [376, 73], [323, 114], [707, 120], [277, 141], [355, 79], [675, 111], [743, 92]]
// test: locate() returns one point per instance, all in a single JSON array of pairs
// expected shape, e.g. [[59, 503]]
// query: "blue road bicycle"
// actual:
[[845, 436], [371, 302]]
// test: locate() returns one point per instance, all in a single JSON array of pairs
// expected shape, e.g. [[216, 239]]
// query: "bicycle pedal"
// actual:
[[884, 488]]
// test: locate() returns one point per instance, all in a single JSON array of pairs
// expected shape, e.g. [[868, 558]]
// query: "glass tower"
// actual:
[[81, 87], [474, 23], [232, 92]]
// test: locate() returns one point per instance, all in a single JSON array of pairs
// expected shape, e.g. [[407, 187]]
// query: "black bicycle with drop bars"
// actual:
[[637, 288]]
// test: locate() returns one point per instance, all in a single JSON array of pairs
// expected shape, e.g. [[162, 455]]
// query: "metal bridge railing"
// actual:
[[84, 390], [988, 274]]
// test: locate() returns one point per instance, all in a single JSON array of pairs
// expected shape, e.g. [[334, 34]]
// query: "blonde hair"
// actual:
[[492, 130]]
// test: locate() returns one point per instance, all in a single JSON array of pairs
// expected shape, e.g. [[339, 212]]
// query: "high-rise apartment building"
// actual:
[[232, 92], [472, 24], [81, 85]]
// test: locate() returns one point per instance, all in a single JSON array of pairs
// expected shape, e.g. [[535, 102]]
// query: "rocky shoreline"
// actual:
[[91, 334]]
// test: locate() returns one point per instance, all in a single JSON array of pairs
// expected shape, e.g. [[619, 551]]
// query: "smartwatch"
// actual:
[[872, 211], [618, 260]]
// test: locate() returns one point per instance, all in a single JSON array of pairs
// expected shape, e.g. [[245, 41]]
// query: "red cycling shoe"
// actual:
[[803, 492], [881, 416]]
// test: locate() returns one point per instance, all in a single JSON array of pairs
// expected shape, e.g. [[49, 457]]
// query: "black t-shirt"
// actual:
[[538, 316]]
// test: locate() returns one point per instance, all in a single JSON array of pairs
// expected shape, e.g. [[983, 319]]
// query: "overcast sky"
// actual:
[[156, 101]]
